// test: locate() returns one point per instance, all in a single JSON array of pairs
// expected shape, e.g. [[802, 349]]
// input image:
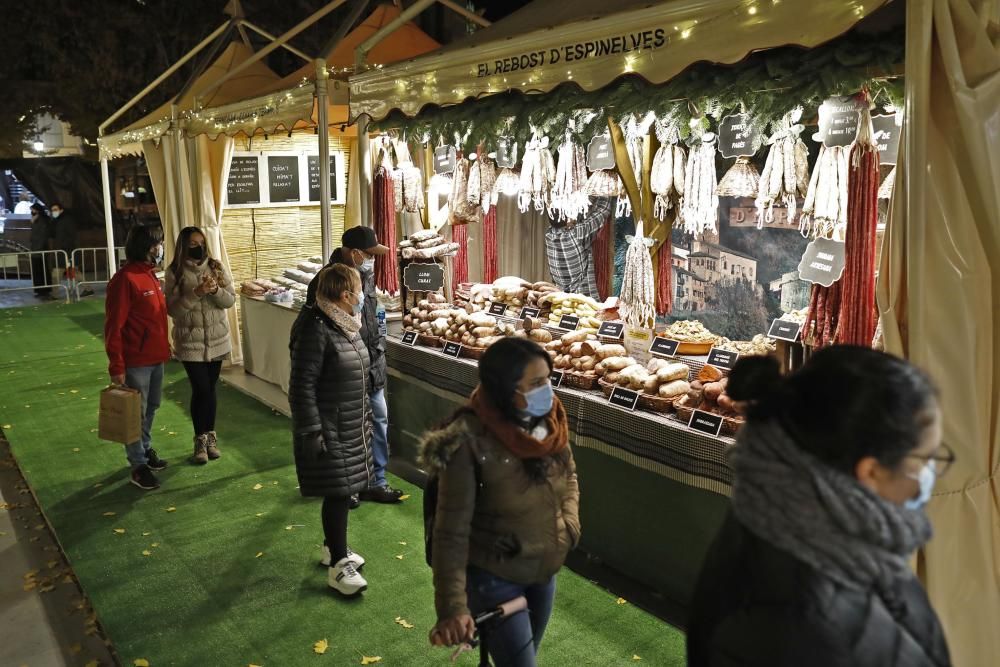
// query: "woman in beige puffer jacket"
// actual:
[[199, 291]]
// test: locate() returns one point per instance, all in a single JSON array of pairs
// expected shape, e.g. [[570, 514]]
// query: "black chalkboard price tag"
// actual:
[[452, 349], [421, 277], [556, 377], [243, 186], [569, 322], [722, 358], [498, 308], [705, 422], [664, 347], [887, 133], [528, 311], [410, 338], [737, 137], [600, 153], [611, 329], [624, 398], [445, 159], [838, 121], [784, 330], [822, 262], [283, 178], [312, 163]]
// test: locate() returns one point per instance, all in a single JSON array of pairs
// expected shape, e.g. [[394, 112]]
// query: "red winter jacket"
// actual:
[[135, 319]]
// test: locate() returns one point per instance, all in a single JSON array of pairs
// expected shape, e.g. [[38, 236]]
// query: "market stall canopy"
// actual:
[[290, 104], [251, 81], [593, 42]]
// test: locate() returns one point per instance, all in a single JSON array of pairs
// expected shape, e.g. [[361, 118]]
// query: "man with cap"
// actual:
[[359, 248]]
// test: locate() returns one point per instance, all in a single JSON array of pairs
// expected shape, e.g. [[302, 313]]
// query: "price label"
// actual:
[[600, 153], [624, 398], [452, 349], [722, 358], [611, 329], [664, 347], [822, 262], [498, 308], [423, 277], [705, 422], [556, 377], [445, 159], [737, 137], [410, 338], [887, 132], [838, 121], [569, 322], [784, 330], [528, 311]]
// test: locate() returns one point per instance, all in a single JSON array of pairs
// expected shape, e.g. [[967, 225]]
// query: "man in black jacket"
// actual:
[[41, 236], [359, 248]]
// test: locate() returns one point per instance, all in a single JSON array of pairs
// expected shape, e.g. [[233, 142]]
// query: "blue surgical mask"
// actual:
[[926, 479], [359, 306], [539, 400]]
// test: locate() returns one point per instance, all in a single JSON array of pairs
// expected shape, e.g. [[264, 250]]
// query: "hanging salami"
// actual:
[[384, 224]]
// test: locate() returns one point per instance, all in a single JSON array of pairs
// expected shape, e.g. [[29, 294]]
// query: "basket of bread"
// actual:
[[659, 382], [708, 394], [692, 335]]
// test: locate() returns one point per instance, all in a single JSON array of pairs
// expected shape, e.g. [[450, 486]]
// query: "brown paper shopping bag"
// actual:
[[120, 416]]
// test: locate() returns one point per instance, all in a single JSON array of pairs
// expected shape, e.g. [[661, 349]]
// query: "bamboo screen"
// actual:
[[262, 242]]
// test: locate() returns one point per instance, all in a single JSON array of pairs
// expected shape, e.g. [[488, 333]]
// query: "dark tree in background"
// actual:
[[82, 60], [738, 310]]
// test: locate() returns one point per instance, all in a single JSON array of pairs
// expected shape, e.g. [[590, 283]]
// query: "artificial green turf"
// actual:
[[234, 578]]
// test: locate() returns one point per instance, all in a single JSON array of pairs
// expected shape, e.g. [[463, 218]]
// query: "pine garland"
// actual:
[[767, 84]]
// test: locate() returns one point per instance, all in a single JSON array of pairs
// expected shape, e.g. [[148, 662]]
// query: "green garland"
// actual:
[[766, 84]]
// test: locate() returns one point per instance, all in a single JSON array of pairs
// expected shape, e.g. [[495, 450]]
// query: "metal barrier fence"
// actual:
[[91, 266], [44, 269]]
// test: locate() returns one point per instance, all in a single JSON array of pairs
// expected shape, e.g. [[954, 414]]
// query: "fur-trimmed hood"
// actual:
[[438, 446]]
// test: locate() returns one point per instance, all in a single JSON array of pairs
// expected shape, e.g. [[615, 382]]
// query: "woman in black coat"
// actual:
[[329, 403], [832, 471]]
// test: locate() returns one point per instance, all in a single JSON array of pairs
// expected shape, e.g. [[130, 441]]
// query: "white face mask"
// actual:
[[56, 214], [926, 479]]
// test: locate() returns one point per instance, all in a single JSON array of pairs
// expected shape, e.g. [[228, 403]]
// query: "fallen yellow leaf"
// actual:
[[109, 513], [119, 531], [75, 648], [141, 662], [7, 426], [52, 564], [399, 556], [98, 485], [370, 660], [403, 543], [76, 449], [146, 533], [155, 544], [253, 665], [258, 487], [321, 646], [403, 622], [147, 552], [259, 514], [47, 588], [30, 574], [635, 657], [171, 509], [74, 391], [405, 496], [171, 432], [259, 554], [621, 601], [30, 585]]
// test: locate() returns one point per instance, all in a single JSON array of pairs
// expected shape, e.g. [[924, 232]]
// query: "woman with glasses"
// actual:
[[832, 472]]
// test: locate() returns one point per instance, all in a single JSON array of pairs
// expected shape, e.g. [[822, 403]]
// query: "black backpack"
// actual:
[[430, 506]]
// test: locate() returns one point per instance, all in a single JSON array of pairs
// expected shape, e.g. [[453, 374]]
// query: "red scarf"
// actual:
[[515, 438]]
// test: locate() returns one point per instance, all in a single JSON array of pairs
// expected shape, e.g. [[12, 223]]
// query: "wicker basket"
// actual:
[[655, 403], [427, 340], [472, 352], [606, 387], [578, 380], [729, 425]]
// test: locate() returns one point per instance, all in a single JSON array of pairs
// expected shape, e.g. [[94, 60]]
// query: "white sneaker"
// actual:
[[357, 559], [344, 579]]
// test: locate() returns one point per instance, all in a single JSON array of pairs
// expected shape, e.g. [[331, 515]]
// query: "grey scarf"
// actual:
[[821, 516]]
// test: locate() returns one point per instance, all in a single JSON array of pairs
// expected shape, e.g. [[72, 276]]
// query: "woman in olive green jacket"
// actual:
[[508, 499]]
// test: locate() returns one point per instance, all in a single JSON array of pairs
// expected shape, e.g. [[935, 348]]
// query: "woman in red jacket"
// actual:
[[135, 337]]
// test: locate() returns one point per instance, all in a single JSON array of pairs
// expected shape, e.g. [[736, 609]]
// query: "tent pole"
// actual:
[[109, 229], [361, 53], [324, 157], [465, 13], [345, 27], [266, 35], [160, 79], [280, 41], [178, 174], [364, 170]]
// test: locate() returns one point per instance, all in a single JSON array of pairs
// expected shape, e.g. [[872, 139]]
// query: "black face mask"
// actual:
[[197, 253]]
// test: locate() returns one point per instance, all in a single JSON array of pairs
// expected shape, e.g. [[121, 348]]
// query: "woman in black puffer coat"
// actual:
[[330, 420], [832, 471]]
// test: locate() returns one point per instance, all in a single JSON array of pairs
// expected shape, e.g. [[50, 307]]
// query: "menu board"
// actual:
[[260, 180], [243, 186], [283, 179], [313, 162]]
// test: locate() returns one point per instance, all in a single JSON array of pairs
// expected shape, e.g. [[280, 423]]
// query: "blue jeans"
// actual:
[[149, 381], [514, 641], [380, 435]]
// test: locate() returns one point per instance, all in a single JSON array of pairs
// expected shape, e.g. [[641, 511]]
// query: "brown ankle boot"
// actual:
[[212, 446], [200, 449]]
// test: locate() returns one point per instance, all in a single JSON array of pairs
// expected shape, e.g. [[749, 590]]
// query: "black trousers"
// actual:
[[203, 375], [40, 270], [334, 514]]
